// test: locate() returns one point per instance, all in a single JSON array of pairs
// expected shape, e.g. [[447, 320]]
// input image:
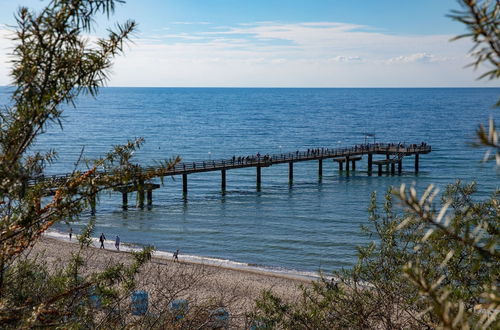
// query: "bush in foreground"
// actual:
[[431, 267]]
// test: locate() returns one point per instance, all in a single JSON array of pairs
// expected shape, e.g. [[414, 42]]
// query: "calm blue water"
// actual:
[[310, 226]]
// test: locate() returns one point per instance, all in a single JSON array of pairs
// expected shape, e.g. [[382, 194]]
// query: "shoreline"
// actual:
[[203, 285], [126, 248]]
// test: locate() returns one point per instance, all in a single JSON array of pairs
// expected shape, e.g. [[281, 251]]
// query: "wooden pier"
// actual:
[[393, 154]]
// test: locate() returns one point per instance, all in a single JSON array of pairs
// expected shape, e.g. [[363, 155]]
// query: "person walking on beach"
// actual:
[[70, 233], [176, 256], [117, 242], [102, 238]]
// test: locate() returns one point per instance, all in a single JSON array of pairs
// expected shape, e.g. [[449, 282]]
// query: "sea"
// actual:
[[309, 227]]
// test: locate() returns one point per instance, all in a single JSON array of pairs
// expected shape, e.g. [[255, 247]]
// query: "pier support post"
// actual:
[[353, 165], [223, 180], [387, 166], [341, 166], [370, 160], [93, 203], [393, 168], [124, 200], [150, 197], [379, 169], [320, 168], [290, 173], [184, 185], [416, 162], [347, 165], [400, 166], [258, 178], [140, 194]]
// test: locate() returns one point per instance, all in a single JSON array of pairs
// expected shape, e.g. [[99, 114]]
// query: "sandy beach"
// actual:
[[165, 280]]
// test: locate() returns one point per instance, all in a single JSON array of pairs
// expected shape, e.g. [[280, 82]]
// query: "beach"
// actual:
[[165, 280]]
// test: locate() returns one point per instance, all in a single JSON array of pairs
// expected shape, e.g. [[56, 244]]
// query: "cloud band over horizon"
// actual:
[[274, 54]]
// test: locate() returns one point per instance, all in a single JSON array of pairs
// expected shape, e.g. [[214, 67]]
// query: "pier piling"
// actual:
[[223, 180], [370, 160], [320, 168], [258, 178], [184, 185], [140, 194], [93, 203], [125, 200], [150, 197], [290, 173]]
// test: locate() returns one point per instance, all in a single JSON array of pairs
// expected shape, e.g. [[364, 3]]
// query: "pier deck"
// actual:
[[339, 155], [394, 154]]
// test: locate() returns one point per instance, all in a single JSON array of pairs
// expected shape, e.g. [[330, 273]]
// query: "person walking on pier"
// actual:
[[102, 238], [117, 242]]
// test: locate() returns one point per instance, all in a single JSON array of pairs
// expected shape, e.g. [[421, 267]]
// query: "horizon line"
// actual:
[[299, 87]]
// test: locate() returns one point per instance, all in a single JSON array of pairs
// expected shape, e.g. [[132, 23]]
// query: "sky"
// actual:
[[277, 43]]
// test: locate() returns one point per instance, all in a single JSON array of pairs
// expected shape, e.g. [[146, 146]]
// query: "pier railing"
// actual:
[[394, 154], [399, 150]]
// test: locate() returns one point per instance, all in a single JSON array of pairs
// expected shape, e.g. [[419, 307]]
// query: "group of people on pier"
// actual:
[[315, 152], [400, 146], [251, 159]]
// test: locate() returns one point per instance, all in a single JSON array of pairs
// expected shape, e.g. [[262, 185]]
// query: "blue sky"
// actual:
[[276, 43]]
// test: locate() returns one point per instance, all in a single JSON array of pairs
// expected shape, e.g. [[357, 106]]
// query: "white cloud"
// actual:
[[417, 58], [346, 59], [316, 54]]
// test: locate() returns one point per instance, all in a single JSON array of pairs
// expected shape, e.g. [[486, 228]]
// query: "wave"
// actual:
[[109, 244]]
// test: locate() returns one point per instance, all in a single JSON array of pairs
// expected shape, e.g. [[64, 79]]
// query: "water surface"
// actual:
[[309, 226]]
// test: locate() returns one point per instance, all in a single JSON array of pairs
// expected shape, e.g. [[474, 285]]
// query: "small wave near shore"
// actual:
[[109, 244]]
